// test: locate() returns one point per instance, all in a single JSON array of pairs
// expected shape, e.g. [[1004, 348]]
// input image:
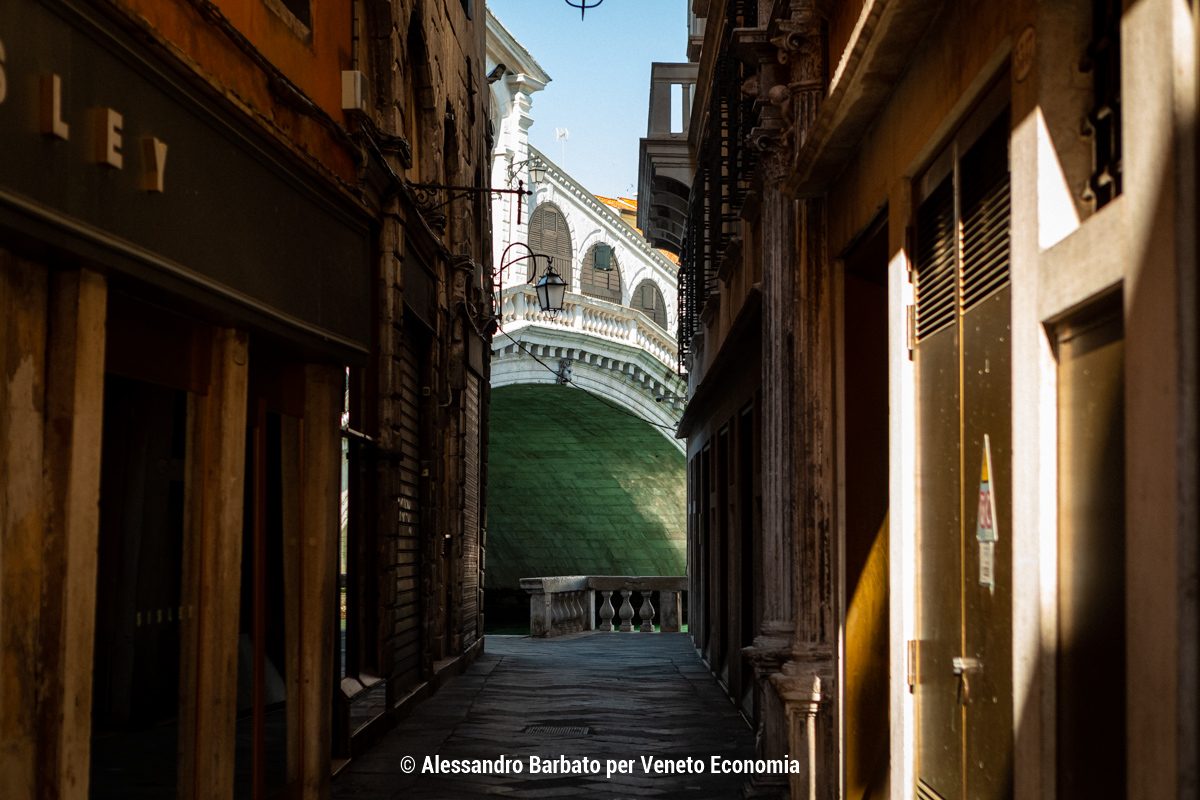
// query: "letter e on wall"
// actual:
[[106, 126]]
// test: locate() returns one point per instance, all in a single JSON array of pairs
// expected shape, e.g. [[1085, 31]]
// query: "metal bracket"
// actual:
[[427, 194]]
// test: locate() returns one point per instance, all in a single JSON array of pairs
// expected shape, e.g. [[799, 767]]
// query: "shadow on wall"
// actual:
[[578, 487]]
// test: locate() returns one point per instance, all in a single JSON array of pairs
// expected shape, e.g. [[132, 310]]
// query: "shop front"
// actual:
[[180, 296]]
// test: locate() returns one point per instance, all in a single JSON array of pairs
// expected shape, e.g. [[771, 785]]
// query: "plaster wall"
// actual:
[[1065, 256], [311, 58]]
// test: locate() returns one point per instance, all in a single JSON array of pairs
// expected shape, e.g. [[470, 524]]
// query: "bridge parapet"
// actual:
[[612, 351], [567, 603], [590, 315]]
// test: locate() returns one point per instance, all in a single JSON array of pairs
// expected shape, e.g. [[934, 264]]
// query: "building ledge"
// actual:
[[871, 66]]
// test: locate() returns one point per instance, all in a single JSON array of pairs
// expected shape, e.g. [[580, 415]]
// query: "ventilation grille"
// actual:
[[936, 263], [985, 212], [557, 731], [962, 260], [985, 247]]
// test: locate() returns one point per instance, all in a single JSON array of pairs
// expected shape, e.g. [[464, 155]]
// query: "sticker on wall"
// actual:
[[985, 526]]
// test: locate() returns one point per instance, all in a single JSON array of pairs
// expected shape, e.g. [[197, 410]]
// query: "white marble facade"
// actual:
[[589, 221]]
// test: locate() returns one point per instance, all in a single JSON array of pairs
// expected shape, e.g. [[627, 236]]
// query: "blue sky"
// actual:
[[600, 87]]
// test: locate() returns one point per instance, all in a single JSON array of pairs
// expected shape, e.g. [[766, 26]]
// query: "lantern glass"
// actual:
[[537, 172], [551, 290]]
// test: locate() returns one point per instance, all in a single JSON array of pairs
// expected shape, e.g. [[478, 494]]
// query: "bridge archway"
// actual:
[[577, 486], [615, 352]]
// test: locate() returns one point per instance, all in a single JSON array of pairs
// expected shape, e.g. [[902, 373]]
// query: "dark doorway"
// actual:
[[865, 431], [139, 611]]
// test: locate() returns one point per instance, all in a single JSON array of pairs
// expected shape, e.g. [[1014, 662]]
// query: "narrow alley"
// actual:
[[728, 399], [585, 696]]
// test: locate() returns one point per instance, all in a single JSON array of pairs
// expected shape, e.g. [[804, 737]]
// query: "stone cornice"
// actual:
[[514, 56], [605, 215]]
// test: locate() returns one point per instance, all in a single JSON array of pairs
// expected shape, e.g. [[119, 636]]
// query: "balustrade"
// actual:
[[567, 604], [592, 316]]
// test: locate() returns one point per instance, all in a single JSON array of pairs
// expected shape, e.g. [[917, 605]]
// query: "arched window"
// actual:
[[601, 276], [548, 234], [649, 300]]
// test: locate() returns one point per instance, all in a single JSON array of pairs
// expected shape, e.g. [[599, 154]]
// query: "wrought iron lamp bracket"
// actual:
[[427, 194], [583, 5]]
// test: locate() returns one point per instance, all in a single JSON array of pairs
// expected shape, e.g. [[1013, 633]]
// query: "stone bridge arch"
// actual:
[[614, 352]]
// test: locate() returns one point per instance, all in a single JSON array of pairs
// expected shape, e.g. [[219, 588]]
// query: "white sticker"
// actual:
[[987, 564]]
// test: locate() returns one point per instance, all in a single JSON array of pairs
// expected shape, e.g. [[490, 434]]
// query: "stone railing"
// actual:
[[567, 604], [590, 315]]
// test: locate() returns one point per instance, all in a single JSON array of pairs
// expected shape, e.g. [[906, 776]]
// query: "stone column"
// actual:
[[779, 378], [798, 341], [812, 712]]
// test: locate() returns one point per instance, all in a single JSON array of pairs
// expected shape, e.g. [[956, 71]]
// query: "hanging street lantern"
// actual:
[[551, 289], [583, 5]]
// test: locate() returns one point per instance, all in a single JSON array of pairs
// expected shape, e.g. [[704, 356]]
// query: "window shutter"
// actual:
[[962, 259], [548, 234], [985, 215], [597, 282], [649, 300], [937, 267]]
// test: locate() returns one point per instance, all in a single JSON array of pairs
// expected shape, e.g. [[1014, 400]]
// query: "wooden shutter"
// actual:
[[404, 570], [649, 300], [602, 283], [548, 233], [470, 559]]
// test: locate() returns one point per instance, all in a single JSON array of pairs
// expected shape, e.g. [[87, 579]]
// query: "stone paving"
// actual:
[[636, 694]]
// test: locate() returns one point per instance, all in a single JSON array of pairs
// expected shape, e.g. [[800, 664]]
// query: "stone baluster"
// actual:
[[670, 611], [646, 613], [560, 612], [577, 611], [606, 611], [626, 611]]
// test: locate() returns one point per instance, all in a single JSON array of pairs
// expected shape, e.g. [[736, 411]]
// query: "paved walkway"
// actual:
[[636, 694]]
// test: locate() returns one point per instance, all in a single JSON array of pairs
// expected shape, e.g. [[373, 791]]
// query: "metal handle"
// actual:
[[963, 667]]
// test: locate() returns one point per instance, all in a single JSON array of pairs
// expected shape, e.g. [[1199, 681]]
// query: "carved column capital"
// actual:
[[799, 42]]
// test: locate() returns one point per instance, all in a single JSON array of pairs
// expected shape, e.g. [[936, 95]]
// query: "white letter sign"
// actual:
[[52, 121], [154, 163]]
